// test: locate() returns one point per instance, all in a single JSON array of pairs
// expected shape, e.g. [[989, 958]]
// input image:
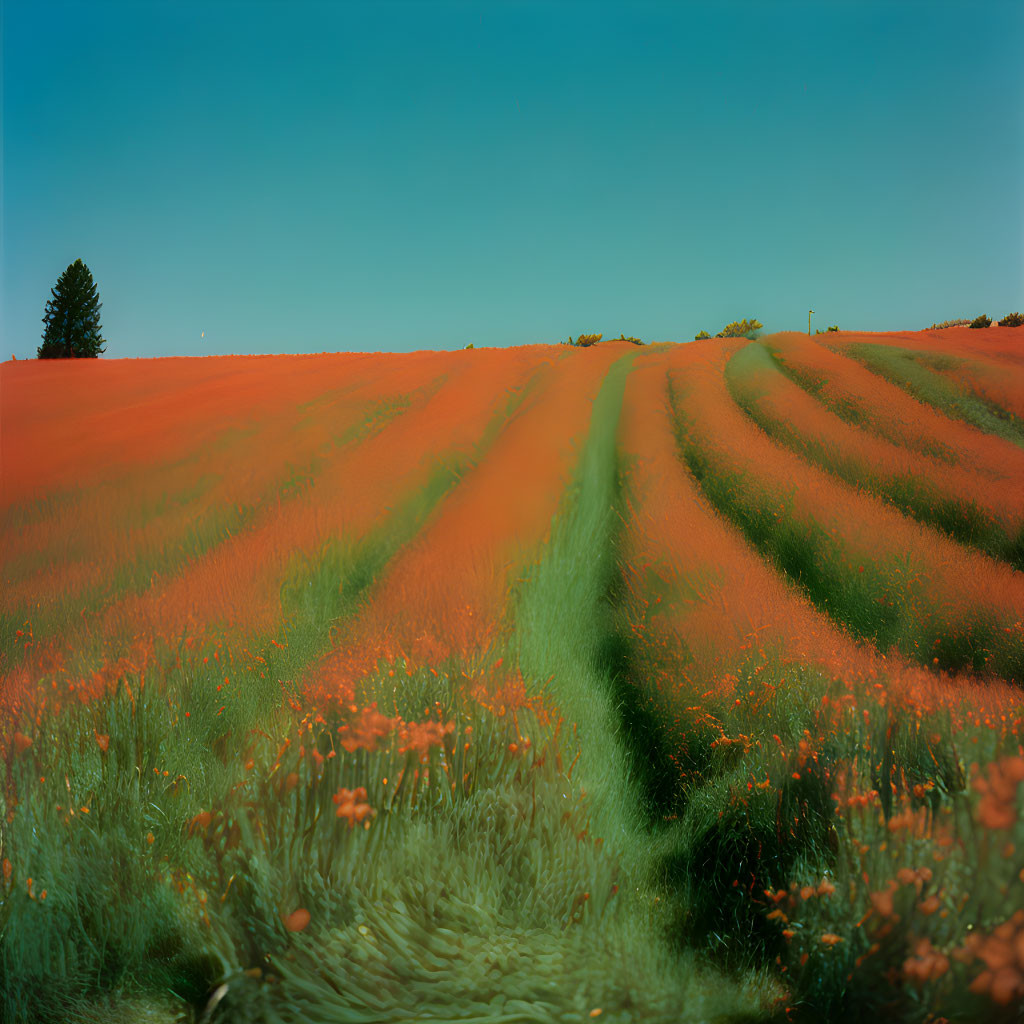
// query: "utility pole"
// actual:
[[809, 312]]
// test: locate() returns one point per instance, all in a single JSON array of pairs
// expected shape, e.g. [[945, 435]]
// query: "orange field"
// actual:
[[363, 679]]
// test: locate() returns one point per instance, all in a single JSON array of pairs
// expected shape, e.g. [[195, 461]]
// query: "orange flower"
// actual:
[[200, 822], [998, 805], [421, 736], [830, 939], [882, 902], [367, 730], [926, 964], [297, 920], [351, 804], [102, 740], [21, 742]]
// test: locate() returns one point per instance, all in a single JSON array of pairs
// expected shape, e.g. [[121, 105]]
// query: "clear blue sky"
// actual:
[[294, 176]]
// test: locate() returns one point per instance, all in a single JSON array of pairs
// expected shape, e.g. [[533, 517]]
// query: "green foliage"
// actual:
[[830, 330], [701, 336], [741, 329], [585, 340], [1012, 320], [72, 317], [981, 321], [962, 322]]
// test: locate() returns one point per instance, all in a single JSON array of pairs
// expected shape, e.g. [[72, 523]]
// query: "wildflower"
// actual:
[[882, 902], [297, 920], [424, 735], [367, 730], [1002, 952], [997, 808], [831, 939], [926, 964], [102, 740], [21, 742], [351, 804], [914, 876], [200, 822]]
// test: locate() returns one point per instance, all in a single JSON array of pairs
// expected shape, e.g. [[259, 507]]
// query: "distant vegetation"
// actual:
[[1010, 320], [829, 330], [586, 340], [737, 329], [962, 322]]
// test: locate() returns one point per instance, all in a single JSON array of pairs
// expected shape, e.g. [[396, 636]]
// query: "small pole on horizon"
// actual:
[[809, 312]]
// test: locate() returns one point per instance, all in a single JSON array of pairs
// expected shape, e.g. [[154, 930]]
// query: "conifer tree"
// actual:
[[72, 317]]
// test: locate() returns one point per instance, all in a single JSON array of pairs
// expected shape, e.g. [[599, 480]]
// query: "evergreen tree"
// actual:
[[72, 317]]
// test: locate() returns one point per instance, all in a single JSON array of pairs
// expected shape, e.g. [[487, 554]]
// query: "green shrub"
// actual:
[[701, 336], [585, 340], [962, 322], [1012, 320], [981, 321], [741, 329]]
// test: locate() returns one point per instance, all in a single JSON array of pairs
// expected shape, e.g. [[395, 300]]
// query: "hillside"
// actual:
[[670, 683]]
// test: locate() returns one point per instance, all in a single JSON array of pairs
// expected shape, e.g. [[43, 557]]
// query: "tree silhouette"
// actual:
[[72, 317]]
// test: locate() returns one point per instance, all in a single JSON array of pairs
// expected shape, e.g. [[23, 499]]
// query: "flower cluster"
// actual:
[[1002, 953], [421, 736], [351, 804], [366, 730], [998, 805], [925, 964]]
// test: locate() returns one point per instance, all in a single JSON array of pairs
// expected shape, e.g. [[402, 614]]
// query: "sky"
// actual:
[[289, 176]]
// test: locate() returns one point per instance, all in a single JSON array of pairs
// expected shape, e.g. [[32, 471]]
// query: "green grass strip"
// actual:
[[851, 409], [563, 617], [964, 521], [879, 602], [919, 376]]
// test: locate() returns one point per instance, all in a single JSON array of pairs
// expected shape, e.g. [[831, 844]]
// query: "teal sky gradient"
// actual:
[[299, 177]]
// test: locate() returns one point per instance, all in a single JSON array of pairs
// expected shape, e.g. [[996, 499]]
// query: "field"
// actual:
[[670, 683]]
